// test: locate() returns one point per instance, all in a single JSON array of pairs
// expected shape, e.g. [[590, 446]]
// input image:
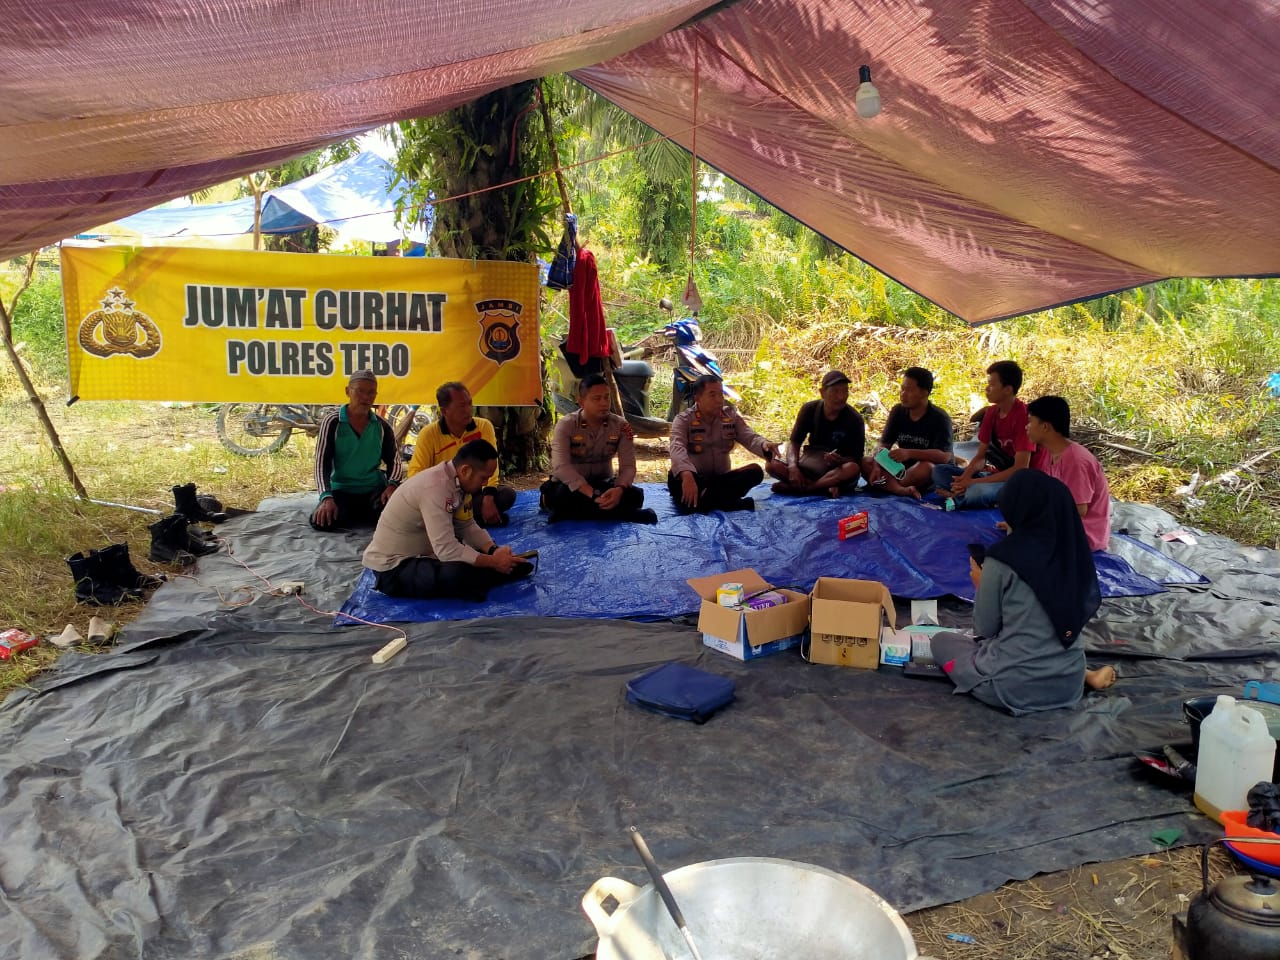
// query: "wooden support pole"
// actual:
[[6, 333]]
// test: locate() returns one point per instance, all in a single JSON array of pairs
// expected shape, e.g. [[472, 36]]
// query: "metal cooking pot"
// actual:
[[749, 908]]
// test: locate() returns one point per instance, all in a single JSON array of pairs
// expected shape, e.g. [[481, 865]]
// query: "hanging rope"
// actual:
[[693, 182]]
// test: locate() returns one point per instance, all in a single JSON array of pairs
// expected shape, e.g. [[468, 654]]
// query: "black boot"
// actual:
[[187, 504], [119, 569], [169, 541], [92, 586], [200, 541]]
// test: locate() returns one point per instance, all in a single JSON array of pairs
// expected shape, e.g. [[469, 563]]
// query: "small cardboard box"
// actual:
[[845, 618], [749, 634]]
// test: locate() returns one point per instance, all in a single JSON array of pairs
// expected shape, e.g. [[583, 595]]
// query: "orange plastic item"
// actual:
[[853, 525], [1234, 823]]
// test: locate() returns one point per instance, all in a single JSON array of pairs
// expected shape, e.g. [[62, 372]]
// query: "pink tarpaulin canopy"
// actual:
[[1030, 152]]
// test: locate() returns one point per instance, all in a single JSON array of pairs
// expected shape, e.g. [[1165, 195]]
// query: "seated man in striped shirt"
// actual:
[[357, 468], [439, 441]]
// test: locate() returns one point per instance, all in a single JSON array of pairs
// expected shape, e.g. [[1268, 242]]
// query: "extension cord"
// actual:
[[291, 587]]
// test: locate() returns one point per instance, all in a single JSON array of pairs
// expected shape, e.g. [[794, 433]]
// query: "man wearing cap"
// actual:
[[440, 440], [701, 477], [832, 459], [356, 464], [583, 484], [917, 435]]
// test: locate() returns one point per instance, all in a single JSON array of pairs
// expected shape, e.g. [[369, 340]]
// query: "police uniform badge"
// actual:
[[500, 329]]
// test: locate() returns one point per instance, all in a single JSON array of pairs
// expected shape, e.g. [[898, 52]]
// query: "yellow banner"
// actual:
[[171, 323]]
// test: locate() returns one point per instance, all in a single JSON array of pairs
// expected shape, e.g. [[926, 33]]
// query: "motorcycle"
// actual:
[[695, 361], [258, 429], [634, 375]]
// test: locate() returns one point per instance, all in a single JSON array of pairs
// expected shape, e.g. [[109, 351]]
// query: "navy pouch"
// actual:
[[680, 691]]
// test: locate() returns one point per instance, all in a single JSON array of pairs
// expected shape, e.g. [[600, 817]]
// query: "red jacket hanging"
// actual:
[[587, 337]]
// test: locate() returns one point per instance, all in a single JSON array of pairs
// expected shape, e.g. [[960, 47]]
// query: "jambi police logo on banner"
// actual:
[[118, 329], [499, 329]]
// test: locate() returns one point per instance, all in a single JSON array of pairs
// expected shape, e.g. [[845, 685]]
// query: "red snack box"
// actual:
[[15, 641], [853, 525]]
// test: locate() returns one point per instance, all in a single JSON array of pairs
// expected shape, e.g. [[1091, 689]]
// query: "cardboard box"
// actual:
[[845, 620], [749, 634]]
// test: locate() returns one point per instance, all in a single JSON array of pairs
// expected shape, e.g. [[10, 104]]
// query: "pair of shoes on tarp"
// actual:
[[198, 508], [105, 577], [177, 538]]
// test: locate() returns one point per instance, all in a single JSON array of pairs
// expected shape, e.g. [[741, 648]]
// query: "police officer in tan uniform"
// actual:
[[701, 478], [428, 544], [583, 485]]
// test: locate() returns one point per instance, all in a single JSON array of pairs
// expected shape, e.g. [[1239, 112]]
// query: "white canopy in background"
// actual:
[[1030, 152]]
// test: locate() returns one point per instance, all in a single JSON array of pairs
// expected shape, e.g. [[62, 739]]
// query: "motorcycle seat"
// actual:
[[635, 368]]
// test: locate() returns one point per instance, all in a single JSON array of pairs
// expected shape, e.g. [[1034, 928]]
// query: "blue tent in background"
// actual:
[[354, 197], [203, 220]]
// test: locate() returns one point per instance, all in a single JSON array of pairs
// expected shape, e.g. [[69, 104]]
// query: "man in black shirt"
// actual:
[[831, 461], [921, 433]]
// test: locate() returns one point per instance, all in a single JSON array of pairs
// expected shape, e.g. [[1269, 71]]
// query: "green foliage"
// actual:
[[38, 327], [462, 155]]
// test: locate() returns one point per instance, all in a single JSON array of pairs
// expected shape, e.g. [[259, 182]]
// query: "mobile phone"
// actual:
[[978, 552], [527, 555]]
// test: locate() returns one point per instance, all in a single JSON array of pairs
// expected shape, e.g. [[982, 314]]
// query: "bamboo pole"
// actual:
[[6, 333]]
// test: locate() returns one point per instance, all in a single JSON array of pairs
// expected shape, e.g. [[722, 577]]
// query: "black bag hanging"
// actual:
[[560, 276]]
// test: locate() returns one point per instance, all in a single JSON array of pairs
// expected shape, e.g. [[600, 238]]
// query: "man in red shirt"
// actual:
[[1049, 425], [1003, 445]]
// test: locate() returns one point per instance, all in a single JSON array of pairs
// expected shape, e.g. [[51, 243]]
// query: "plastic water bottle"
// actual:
[[1236, 753]]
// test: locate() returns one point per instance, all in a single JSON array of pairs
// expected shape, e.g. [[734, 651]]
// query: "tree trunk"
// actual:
[[501, 224]]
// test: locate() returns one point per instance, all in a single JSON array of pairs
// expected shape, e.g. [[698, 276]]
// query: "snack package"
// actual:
[[15, 641]]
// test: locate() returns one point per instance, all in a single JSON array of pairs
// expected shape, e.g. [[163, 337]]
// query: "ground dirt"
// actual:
[[1120, 909]]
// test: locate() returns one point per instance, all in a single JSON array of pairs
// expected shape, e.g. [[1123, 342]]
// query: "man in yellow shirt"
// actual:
[[438, 442]]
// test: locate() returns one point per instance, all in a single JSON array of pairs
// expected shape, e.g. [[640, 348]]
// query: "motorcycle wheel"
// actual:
[[252, 429]]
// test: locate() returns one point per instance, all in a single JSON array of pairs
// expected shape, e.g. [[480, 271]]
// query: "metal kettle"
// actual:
[[1238, 919]]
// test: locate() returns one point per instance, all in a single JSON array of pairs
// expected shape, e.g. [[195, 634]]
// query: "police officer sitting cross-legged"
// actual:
[[428, 544], [583, 485], [700, 478]]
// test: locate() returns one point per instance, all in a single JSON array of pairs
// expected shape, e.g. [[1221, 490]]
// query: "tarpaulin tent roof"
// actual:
[[1030, 152], [202, 219]]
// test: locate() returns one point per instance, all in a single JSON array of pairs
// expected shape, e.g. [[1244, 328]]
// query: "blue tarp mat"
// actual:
[[633, 571]]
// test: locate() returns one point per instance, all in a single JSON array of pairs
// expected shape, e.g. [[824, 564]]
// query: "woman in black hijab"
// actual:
[[1037, 589]]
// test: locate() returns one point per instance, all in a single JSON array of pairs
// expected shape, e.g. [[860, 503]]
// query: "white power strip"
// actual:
[[290, 587]]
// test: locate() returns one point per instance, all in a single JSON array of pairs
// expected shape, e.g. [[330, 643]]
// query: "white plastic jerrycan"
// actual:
[[1236, 753]]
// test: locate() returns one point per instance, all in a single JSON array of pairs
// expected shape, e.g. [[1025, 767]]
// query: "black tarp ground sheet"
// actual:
[[238, 780]]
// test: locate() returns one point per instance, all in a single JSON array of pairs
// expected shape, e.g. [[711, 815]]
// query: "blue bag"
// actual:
[[680, 691], [560, 276]]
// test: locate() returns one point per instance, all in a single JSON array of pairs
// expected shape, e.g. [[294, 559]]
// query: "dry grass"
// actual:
[[1121, 909]]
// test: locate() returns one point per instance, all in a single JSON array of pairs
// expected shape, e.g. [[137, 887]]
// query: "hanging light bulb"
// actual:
[[867, 99]]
